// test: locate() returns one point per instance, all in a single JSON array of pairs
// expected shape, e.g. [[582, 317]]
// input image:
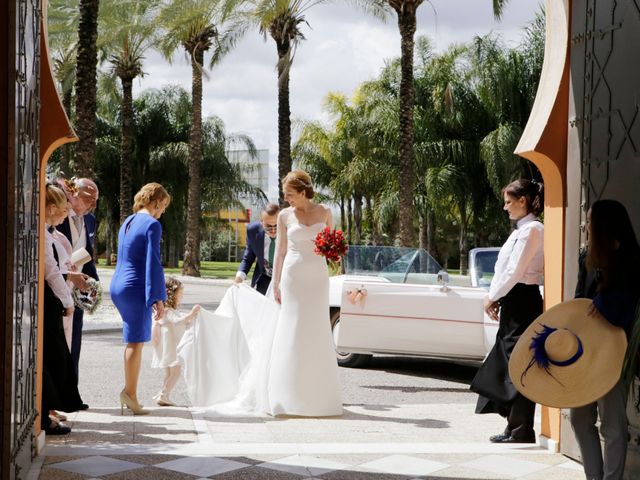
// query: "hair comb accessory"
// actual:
[[70, 185]]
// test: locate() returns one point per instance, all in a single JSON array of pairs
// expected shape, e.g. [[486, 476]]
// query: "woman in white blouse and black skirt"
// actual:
[[514, 300], [59, 382]]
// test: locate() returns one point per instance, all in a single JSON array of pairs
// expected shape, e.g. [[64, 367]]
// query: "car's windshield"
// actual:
[[397, 264]]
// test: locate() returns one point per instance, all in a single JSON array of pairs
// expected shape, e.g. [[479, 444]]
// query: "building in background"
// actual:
[[255, 171]]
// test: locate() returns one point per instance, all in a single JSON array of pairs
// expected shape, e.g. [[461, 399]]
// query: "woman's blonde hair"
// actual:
[[300, 181], [55, 196], [173, 287], [148, 194]]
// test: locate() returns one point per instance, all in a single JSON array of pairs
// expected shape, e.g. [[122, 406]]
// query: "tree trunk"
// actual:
[[343, 222], [85, 86], [357, 219], [368, 214], [67, 152], [126, 148], [424, 230], [462, 244], [107, 242], [349, 221], [191, 265], [407, 25], [284, 115], [431, 234]]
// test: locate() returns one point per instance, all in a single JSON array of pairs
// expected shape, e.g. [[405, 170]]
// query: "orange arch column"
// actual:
[[55, 131], [544, 142]]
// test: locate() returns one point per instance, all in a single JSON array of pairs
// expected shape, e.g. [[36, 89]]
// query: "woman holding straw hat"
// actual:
[[608, 275], [514, 300], [572, 355]]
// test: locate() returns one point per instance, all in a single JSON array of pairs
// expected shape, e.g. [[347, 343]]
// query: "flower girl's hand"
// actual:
[[276, 294]]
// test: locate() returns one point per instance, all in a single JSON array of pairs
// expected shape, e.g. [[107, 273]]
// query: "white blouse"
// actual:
[[520, 259], [52, 272]]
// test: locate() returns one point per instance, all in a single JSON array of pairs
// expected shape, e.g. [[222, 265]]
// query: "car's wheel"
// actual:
[[353, 360]]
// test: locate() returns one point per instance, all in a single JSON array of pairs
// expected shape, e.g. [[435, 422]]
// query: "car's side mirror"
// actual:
[[443, 280]]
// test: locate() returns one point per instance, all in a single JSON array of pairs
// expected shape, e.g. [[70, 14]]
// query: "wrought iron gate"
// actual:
[[605, 78], [22, 185]]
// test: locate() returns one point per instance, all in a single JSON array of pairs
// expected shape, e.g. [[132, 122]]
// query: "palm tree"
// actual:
[[194, 25], [128, 32], [63, 42], [506, 83], [498, 8], [406, 11], [85, 87], [281, 20]]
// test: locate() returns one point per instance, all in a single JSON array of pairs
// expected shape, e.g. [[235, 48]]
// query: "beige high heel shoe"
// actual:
[[135, 407]]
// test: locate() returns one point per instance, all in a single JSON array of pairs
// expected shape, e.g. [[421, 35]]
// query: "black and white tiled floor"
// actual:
[[301, 467], [397, 442]]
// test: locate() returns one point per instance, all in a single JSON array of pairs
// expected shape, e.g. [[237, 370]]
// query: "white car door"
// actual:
[[412, 319]]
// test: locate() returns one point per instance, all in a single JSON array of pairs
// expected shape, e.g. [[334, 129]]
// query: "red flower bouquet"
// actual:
[[331, 244]]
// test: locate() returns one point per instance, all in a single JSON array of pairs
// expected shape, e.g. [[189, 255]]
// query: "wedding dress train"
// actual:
[[253, 356]]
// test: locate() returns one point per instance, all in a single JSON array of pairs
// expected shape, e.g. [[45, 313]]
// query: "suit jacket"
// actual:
[[254, 252], [88, 268]]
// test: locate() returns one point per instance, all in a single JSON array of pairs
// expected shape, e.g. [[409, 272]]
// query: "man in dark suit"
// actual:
[[261, 247], [80, 228]]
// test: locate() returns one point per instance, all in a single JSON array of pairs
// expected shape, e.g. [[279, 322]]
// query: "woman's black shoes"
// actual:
[[507, 438], [501, 437], [57, 429]]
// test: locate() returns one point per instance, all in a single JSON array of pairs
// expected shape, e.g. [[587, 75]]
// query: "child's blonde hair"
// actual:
[[173, 287]]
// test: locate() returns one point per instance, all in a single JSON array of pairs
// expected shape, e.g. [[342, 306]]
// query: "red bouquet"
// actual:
[[331, 244]]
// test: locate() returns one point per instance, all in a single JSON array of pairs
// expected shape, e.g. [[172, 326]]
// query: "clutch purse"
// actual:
[[80, 257]]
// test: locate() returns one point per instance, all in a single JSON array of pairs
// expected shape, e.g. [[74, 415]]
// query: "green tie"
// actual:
[[272, 250]]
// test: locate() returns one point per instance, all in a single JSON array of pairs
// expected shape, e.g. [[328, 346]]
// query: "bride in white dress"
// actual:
[[272, 354]]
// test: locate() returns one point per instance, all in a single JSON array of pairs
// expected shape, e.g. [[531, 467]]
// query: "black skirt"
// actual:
[[59, 382], [518, 309]]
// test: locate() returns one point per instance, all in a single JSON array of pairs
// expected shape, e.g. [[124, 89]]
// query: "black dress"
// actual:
[[59, 384]]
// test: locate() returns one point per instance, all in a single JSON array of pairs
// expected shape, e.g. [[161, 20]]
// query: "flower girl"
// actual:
[[166, 335]]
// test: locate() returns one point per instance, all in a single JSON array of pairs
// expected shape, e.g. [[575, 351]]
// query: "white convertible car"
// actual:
[[400, 301]]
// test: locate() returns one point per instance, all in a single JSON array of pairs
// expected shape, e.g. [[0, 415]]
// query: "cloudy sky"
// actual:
[[343, 48]]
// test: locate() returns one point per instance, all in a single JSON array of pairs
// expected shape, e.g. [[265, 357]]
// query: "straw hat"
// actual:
[[567, 358]]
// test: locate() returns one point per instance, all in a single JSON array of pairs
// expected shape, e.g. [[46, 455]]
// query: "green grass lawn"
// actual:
[[207, 269]]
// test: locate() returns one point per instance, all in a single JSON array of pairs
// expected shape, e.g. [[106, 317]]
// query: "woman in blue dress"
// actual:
[[138, 285]]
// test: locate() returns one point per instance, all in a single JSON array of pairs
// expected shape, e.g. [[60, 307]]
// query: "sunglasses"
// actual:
[[270, 227]]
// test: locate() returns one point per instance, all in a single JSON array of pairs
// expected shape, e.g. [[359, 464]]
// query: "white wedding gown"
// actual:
[[253, 356]]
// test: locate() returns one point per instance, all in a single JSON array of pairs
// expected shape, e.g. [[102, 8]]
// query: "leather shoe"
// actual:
[[57, 429], [510, 439], [501, 437], [83, 406]]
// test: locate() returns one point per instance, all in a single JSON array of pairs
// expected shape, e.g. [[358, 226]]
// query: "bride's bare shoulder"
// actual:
[[285, 213]]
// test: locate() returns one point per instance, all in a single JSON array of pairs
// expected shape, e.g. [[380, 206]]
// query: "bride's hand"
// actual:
[[276, 294]]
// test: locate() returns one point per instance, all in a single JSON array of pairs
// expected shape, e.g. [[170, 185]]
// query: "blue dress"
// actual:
[[138, 281]]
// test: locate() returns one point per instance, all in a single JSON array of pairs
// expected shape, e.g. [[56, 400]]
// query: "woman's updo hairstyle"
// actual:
[[300, 181], [173, 288], [151, 193], [55, 196], [530, 189]]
